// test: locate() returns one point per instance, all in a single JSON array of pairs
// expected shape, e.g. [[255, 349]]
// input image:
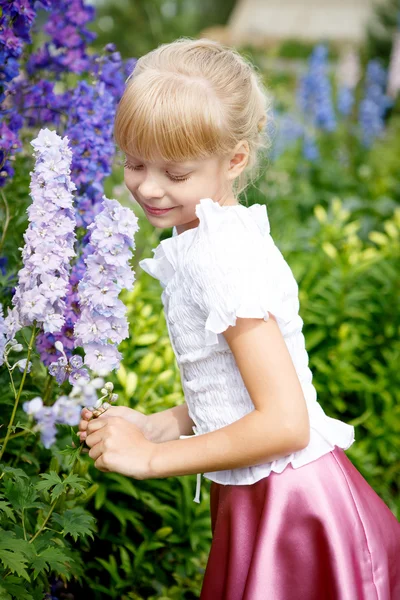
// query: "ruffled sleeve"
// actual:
[[240, 272]]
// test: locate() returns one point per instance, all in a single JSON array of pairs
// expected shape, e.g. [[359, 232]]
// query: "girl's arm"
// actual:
[[278, 425], [169, 424]]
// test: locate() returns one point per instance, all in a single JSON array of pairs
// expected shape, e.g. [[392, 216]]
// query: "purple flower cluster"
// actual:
[[62, 411], [3, 337], [66, 410], [375, 103], [16, 19], [72, 369], [66, 49], [90, 129], [49, 239], [102, 324]]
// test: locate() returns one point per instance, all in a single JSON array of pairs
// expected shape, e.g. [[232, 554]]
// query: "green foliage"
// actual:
[[155, 22], [381, 29], [38, 518]]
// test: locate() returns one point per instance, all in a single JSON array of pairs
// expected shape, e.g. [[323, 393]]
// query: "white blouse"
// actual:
[[228, 267]]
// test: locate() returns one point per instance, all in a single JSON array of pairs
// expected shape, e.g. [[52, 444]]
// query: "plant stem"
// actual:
[[6, 222], [19, 392], [14, 435], [52, 507], [48, 388]]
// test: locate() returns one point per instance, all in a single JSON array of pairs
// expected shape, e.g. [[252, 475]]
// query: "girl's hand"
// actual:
[[119, 446], [130, 414]]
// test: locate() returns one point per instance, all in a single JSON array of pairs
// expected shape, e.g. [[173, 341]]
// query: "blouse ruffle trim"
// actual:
[[163, 264], [325, 434]]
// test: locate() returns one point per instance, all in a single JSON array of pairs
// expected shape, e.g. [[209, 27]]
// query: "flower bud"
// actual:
[[106, 405], [17, 348], [114, 397], [109, 386], [98, 404]]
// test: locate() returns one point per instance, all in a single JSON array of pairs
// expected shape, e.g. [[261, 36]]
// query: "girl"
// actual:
[[292, 518]]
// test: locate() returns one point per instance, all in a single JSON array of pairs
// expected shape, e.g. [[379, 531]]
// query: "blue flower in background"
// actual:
[[345, 100], [310, 148], [3, 264], [314, 92], [314, 98], [285, 129], [373, 107]]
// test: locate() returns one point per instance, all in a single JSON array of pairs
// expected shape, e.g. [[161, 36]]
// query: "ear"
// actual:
[[238, 159]]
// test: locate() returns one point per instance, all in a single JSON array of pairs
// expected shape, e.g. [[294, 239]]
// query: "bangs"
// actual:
[[170, 117]]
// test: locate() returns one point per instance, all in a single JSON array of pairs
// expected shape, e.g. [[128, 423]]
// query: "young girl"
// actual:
[[292, 518]]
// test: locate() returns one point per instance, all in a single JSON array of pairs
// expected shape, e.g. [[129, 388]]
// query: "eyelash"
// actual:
[[176, 179]]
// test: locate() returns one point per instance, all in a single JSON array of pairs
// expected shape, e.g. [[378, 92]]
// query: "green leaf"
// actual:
[[4, 595], [49, 480], [52, 559], [16, 587], [15, 561], [17, 474], [76, 521], [76, 482], [5, 507], [21, 494]]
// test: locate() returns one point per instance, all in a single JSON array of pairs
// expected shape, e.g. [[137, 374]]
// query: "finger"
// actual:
[[83, 425], [98, 423], [96, 451], [94, 438], [86, 413], [99, 464]]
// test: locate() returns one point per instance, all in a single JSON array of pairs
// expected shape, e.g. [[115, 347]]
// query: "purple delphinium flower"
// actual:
[[49, 239], [67, 409], [45, 420], [66, 50], [63, 368], [2, 335], [102, 324], [90, 128], [16, 20]]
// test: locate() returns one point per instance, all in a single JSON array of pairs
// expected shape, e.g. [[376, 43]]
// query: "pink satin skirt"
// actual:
[[318, 532]]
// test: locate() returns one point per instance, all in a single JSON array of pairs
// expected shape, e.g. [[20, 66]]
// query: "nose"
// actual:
[[149, 187]]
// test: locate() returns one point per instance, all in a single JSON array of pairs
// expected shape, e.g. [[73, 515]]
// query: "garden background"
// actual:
[[331, 184]]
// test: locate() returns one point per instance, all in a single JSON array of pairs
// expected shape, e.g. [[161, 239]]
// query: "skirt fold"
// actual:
[[318, 532]]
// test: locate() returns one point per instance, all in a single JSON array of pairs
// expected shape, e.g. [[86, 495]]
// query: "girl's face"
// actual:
[[179, 187]]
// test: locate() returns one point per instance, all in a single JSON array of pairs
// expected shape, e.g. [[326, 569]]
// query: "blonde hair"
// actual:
[[191, 99]]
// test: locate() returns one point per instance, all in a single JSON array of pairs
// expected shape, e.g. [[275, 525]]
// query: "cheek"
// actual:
[[130, 179]]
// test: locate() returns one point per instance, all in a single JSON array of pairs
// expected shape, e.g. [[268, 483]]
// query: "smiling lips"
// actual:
[[157, 211]]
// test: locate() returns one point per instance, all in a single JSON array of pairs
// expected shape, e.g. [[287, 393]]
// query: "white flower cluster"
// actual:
[[49, 239], [102, 323]]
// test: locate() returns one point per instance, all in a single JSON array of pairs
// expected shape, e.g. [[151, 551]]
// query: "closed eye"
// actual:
[[139, 167]]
